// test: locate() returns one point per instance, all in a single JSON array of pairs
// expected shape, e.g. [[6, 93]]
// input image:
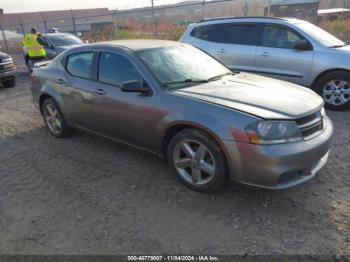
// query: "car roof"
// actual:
[[137, 44], [252, 19], [58, 34]]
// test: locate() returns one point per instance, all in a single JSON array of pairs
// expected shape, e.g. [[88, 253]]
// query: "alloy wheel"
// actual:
[[336, 92], [194, 162], [52, 119]]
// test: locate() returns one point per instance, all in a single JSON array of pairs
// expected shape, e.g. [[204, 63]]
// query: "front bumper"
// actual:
[[7, 71], [279, 166]]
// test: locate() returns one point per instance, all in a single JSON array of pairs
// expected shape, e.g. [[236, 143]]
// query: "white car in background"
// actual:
[[288, 49]]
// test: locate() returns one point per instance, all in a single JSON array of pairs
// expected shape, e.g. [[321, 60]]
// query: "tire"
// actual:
[[334, 88], [54, 120], [210, 167], [9, 83]]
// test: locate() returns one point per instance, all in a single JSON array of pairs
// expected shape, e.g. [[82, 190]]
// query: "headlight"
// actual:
[[7, 60], [273, 132]]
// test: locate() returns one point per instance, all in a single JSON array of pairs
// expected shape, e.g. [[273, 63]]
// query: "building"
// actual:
[[334, 14], [303, 9], [80, 20]]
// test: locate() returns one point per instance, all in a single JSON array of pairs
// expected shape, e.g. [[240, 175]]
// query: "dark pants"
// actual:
[[32, 60]]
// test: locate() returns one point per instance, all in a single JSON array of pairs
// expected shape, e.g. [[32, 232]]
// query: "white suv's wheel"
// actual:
[[335, 90]]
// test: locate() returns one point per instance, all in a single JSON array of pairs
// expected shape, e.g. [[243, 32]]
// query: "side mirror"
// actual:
[[135, 86], [302, 45]]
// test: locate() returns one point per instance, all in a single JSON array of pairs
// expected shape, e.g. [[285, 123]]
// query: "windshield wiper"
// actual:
[[214, 78], [188, 80], [337, 46]]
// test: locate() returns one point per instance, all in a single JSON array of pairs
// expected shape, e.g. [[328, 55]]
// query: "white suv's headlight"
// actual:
[[273, 132]]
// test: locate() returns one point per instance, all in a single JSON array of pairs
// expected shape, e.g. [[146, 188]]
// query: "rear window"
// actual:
[[80, 64], [210, 33], [241, 34]]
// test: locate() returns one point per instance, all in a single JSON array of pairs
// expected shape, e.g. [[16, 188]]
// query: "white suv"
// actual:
[[288, 49]]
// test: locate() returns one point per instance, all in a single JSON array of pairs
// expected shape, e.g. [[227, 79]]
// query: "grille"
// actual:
[[7, 67], [310, 125]]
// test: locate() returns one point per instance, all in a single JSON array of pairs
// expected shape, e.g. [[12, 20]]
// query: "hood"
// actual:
[[260, 96], [3, 55]]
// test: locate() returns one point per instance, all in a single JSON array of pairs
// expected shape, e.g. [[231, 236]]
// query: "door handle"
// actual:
[[222, 50], [99, 91], [60, 81], [265, 54]]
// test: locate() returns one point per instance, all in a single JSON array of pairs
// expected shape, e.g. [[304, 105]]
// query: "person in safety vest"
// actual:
[[33, 47]]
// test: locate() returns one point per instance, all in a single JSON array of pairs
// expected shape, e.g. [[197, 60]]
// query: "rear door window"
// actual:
[[212, 33], [279, 37], [241, 34], [80, 64]]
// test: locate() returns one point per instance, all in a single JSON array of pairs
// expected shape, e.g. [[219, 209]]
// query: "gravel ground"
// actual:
[[88, 195]]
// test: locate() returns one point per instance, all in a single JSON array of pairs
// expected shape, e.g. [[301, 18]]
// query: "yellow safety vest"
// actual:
[[34, 48]]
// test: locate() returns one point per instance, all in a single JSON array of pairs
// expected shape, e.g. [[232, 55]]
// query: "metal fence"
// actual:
[[163, 21]]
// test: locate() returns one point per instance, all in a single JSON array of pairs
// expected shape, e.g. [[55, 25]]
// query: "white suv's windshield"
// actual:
[[320, 35], [179, 66]]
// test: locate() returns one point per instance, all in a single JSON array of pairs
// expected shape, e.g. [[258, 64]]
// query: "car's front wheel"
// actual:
[[335, 90], [198, 160], [53, 118], [9, 83]]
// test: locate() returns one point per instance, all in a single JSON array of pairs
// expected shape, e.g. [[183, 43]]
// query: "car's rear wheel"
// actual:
[[53, 118], [335, 90], [198, 161]]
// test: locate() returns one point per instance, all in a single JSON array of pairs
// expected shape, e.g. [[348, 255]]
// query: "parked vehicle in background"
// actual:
[[174, 100], [288, 49], [59, 42], [7, 70], [56, 43]]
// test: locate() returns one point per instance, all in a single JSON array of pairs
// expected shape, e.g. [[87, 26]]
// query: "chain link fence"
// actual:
[[160, 22]]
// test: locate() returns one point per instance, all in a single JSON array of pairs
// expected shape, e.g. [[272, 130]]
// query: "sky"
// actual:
[[17, 6]]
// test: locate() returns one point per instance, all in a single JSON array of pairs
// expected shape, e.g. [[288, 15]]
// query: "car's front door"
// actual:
[[127, 116], [238, 45], [275, 57]]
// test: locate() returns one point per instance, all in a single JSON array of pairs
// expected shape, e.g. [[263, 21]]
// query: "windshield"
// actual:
[[62, 40], [320, 35], [180, 65]]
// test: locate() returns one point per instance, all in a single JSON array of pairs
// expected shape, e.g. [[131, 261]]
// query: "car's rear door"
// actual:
[[76, 87], [237, 47], [127, 116], [234, 44], [275, 57]]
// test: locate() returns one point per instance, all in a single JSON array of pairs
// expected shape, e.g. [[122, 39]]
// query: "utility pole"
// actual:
[[73, 20], [245, 9], [115, 20], [44, 20], [154, 26], [203, 10], [268, 8], [22, 26]]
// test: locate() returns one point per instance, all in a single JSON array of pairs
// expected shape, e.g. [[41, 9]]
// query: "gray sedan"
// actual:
[[174, 100]]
